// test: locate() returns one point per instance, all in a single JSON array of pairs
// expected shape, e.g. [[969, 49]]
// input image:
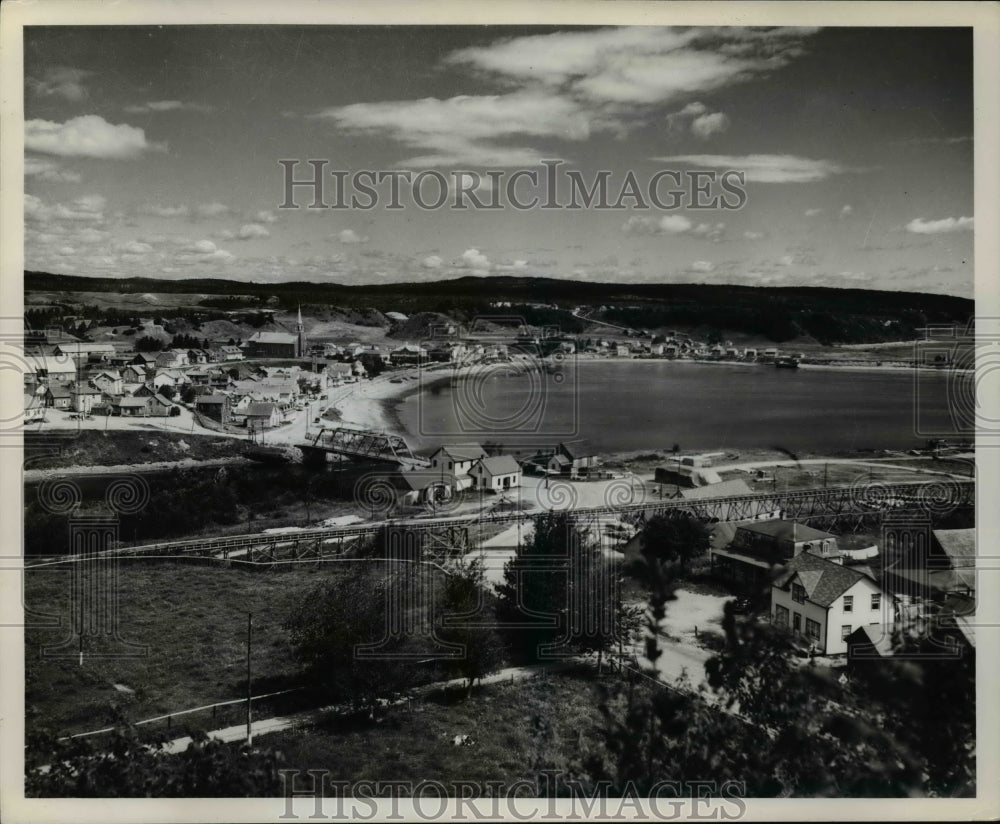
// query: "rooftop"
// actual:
[[500, 465], [824, 581], [787, 531]]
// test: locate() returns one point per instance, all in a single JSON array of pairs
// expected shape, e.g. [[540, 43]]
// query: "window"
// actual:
[[812, 629], [449, 464], [780, 615], [845, 630], [797, 622], [848, 603], [876, 600], [798, 593]]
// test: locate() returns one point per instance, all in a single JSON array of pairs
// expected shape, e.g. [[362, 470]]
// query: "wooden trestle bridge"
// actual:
[[438, 539]]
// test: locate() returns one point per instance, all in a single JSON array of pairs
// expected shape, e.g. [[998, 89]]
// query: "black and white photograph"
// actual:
[[433, 413]]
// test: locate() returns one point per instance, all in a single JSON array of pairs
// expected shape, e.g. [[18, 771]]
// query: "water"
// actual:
[[639, 405]]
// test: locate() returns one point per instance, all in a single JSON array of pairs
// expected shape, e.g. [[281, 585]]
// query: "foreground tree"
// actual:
[[783, 727], [343, 635], [126, 764], [677, 539], [559, 594], [460, 611]]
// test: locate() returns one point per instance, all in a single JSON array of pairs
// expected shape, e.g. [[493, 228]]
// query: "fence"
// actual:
[[170, 716]]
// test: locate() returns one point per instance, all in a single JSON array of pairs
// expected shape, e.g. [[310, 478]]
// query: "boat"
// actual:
[[786, 363]]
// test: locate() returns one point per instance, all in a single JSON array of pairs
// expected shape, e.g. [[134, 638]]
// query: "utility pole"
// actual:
[[249, 639]]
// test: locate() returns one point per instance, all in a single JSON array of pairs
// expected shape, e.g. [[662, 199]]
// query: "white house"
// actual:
[[457, 460], [497, 473], [825, 602]]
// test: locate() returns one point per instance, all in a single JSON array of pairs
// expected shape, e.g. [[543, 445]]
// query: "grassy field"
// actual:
[[515, 730], [193, 621], [99, 448]]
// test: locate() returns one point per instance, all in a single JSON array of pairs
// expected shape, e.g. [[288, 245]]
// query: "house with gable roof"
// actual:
[[824, 603]]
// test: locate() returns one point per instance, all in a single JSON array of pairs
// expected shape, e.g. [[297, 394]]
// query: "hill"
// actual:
[[774, 313]]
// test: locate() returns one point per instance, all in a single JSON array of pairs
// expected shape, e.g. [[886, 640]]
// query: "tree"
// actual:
[[168, 391], [125, 764], [558, 592], [463, 594], [148, 344], [675, 538], [331, 624], [782, 728]]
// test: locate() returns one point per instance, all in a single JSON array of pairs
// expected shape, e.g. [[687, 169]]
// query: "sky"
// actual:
[[154, 152]]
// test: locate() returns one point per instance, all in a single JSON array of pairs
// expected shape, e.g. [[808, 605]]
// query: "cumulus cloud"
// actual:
[[787, 260], [465, 129], [60, 81], [135, 247], [698, 120], [475, 260], [710, 124], [250, 231], [812, 212], [765, 168], [49, 172], [432, 262], [920, 226], [164, 210], [753, 235], [265, 217], [638, 64], [846, 210], [703, 266], [66, 251], [206, 251], [167, 106], [673, 225], [214, 209], [87, 136], [568, 85], [350, 237], [88, 208]]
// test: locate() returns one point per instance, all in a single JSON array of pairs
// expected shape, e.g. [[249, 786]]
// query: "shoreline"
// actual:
[[374, 404]]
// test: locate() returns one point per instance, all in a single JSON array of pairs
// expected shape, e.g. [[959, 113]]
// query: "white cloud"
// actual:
[[475, 260], [846, 210], [787, 260], [89, 208], [49, 172], [638, 65], [60, 81], [701, 266], [161, 210], [432, 262], [214, 209], [764, 168], [920, 226], [205, 251], [753, 235], [167, 106], [249, 231], [666, 225], [710, 124], [464, 129], [812, 212], [265, 217], [712, 232], [136, 247], [350, 237], [87, 136], [66, 251]]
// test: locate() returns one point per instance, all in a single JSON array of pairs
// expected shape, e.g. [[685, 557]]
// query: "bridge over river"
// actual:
[[845, 507]]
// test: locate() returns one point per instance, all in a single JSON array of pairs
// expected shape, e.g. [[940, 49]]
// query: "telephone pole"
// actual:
[[249, 639]]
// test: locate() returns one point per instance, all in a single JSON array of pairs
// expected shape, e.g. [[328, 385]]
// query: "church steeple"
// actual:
[[300, 335]]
